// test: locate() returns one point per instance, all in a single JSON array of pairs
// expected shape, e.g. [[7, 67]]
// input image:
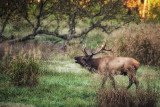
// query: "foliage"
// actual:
[[155, 13], [23, 72], [65, 83], [123, 98], [99, 14], [22, 68], [140, 42]]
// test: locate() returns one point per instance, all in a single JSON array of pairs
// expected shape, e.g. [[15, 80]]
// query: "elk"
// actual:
[[110, 66]]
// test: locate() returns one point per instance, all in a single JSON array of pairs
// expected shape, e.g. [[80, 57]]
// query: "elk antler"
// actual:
[[102, 50], [84, 51]]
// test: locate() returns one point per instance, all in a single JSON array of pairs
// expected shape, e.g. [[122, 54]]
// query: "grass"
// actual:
[[62, 89], [65, 84], [56, 89], [138, 41]]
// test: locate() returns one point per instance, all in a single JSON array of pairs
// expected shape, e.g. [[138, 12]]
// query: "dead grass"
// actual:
[[124, 98], [140, 42]]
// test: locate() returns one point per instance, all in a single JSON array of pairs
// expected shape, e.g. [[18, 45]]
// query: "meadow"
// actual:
[[63, 83]]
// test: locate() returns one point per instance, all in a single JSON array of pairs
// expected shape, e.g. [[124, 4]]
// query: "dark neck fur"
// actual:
[[93, 63]]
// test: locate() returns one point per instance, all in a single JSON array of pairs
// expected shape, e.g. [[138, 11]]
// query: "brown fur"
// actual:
[[110, 66]]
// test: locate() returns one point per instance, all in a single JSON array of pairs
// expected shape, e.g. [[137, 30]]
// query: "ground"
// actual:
[[64, 83]]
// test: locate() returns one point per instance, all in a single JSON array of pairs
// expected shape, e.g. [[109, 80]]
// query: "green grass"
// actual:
[[56, 89], [65, 84]]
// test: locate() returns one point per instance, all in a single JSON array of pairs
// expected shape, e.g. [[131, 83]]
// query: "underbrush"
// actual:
[[22, 63], [22, 67], [23, 71], [42, 50], [140, 42], [124, 98], [57, 88], [65, 83], [74, 50], [148, 94]]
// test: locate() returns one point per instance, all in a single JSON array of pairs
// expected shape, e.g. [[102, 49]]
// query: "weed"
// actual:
[[22, 67], [140, 42], [24, 72], [122, 97]]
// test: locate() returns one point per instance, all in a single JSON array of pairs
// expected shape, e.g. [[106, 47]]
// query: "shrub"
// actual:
[[42, 50], [74, 50], [122, 98], [24, 72], [22, 67], [2, 49], [140, 42]]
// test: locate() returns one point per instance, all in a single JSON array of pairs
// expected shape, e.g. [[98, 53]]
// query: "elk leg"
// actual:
[[136, 83], [132, 79], [113, 81], [130, 82], [104, 81]]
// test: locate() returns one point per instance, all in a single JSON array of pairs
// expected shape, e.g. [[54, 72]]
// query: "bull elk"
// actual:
[[110, 66]]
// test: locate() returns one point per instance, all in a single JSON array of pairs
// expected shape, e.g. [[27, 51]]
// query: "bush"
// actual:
[[140, 42], [22, 67], [24, 72], [123, 98], [74, 50]]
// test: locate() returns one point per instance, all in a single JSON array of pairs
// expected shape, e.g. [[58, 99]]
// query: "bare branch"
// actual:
[[63, 36], [85, 32], [26, 18], [38, 18], [117, 27], [28, 37], [70, 12], [34, 34], [5, 23]]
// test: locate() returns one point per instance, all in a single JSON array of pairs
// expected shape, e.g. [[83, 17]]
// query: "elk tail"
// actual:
[[136, 64]]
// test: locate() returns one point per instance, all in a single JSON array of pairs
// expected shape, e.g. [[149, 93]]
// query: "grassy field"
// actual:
[[65, 84], [62, 84]]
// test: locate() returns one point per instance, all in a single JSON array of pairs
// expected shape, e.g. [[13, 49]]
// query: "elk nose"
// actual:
[[76, 58]]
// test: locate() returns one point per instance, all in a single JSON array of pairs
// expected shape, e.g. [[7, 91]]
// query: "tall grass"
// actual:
[[140, 42], [24, 71], [22, 66], [63, 84], [124, 98]]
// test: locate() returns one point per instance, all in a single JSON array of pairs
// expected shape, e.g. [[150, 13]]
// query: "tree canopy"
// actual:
[[100, 14]]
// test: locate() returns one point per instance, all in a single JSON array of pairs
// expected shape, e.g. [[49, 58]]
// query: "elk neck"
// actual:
[[94, 62]]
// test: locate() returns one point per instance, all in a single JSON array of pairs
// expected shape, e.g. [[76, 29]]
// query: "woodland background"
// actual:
[[40, 38]]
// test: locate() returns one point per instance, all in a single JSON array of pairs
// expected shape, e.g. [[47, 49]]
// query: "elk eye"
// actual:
[[85, 58]]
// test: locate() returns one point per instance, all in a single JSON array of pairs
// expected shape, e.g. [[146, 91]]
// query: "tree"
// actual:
[[101, 14], [6, 11]]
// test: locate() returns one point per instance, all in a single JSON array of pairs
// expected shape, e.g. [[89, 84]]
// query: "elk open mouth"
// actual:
[[76, 61]]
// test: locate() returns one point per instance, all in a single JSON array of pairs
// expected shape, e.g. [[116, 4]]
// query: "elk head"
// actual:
[[84, 61]]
